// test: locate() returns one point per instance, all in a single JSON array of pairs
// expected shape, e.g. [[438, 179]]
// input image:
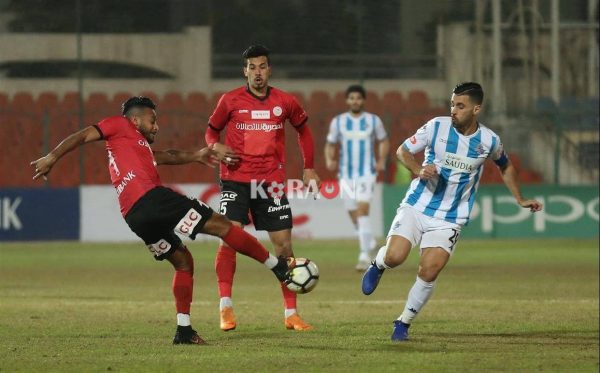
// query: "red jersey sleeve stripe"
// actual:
[[301, 123], [99, 131], [215, 128]]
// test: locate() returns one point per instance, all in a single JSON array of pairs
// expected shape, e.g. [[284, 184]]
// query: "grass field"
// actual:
[[498, 306]]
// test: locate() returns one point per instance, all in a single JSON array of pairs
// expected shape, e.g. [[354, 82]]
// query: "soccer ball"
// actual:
[[303, 275]]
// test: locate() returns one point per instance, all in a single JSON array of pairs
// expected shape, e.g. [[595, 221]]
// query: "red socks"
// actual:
[[238, 240], [246, 244], [289, 297], [183, 288], [225, 268]]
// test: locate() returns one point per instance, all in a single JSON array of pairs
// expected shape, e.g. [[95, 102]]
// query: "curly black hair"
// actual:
[[137, 101]]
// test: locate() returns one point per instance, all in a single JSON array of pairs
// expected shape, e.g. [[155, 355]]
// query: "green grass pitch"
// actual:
[[500, 305]]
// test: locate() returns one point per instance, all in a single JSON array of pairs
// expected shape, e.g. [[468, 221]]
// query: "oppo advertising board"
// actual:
[[312, 218], [568, 212]]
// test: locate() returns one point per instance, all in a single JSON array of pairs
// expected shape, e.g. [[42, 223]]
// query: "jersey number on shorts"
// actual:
[[453, 238]]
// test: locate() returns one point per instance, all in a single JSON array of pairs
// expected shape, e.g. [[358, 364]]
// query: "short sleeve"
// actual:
[[110, 127], [219, 118], [420, 139], [380, 132], [334, 131], [497, 153], [297, 115]]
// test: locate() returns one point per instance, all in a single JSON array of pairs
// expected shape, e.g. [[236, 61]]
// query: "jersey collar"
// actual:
[[260, 98], [468, 136]]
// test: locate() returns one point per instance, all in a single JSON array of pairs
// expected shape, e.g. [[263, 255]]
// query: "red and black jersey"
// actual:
[[130, 160], [255, 131]]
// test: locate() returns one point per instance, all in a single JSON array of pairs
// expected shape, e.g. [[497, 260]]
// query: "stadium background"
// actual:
[[67, 64], [520, 295]]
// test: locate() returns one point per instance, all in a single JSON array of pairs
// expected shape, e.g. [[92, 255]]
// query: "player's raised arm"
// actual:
[[45, 164], [205, 156]]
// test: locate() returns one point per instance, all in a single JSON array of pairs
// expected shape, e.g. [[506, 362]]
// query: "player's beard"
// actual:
[[149, 136], [462, 125]]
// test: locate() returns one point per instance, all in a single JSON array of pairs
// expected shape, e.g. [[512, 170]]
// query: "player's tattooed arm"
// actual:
[[206, 156], [225, 153]]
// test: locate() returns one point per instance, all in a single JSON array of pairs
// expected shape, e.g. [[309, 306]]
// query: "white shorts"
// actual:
[[421, 229], [357, 190]]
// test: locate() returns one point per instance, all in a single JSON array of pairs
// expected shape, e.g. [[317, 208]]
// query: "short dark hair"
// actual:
[[471, 89], [256, 50], [137, 101], [356, 88]]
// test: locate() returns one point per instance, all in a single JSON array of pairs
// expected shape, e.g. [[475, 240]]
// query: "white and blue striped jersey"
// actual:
[[356, 136], [459, 162]]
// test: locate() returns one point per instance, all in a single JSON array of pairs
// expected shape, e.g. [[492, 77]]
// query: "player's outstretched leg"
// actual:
[[389, 256], [183, 289], [246, 244], [373, 274]]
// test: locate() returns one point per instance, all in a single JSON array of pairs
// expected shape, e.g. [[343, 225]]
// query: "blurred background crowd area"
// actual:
[[67, 64]]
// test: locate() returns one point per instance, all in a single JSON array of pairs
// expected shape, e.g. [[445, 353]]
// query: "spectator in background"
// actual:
[[357, 131]]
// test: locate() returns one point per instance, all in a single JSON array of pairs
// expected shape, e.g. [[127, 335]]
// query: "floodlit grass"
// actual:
[[501, 305]]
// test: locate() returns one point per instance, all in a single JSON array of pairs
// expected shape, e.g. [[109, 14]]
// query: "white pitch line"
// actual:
[[343, 302]]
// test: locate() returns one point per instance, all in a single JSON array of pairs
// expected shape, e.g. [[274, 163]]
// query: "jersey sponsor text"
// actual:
[[126, 179]]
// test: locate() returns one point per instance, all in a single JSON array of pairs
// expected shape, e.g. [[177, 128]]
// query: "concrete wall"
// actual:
[[543, 159], [186, 56]]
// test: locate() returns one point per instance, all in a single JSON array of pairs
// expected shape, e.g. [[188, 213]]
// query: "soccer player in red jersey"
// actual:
[[254, 117], [154, 212]]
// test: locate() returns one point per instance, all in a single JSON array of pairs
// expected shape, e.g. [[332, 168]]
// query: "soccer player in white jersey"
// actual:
[[440, 199], [356, 131]]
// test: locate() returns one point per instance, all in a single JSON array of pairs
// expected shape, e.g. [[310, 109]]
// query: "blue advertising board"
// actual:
[[39, 214]]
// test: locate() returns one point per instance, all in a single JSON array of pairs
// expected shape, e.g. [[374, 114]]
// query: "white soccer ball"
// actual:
[[303, 275]]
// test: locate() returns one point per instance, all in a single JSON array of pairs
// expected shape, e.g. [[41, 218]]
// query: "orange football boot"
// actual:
[[296, 323], [227, 319]]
